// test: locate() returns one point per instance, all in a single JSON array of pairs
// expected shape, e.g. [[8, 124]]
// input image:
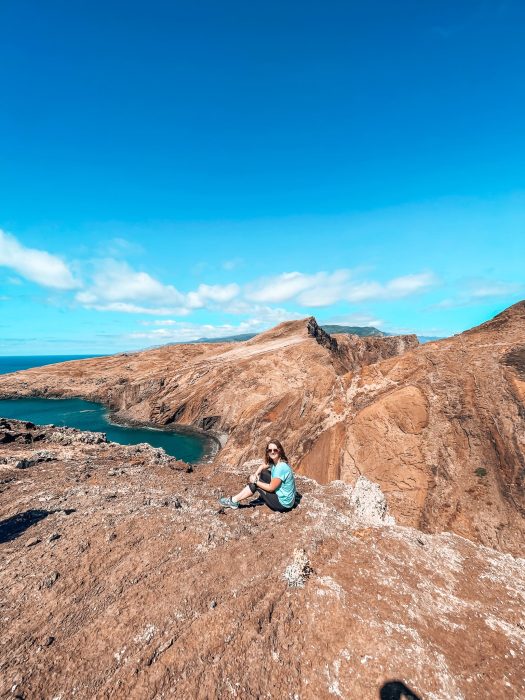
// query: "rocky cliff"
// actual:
[[439, 427], [121, 578]]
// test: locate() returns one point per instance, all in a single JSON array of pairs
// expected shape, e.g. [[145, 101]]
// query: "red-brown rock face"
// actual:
[[440, 427], [442, 430]]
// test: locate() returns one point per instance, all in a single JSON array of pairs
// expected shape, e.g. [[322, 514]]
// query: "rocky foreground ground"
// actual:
[[120, 577]]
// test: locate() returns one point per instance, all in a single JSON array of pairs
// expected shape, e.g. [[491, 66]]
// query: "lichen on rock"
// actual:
[[369, 503], [298, 570]]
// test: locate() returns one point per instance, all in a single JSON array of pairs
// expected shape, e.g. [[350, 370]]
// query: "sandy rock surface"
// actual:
[[120, 577]]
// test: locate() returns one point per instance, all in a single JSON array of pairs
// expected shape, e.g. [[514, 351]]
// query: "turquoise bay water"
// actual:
[[86, 415]]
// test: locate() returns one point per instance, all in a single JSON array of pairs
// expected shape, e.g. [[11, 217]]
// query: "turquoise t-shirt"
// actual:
[[286, 491]]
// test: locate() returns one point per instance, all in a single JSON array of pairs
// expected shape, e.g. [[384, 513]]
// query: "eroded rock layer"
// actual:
[[121, 578], [440, 427]]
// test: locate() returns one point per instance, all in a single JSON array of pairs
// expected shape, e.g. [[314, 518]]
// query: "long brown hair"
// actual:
[[282, 454]]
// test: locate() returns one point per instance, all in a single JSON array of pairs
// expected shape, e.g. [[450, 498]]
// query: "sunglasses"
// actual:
[[271, 450]]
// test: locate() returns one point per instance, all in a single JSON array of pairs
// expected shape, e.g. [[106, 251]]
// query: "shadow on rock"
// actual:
[[397, 690], [298, 499], [12, 527]]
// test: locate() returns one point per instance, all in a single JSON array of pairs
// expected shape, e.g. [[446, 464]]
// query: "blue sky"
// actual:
[[173, 170]]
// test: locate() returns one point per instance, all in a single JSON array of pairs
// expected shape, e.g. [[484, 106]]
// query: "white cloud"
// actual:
[[280, 288], [116, 281], [215, 293], [489, 290], [163, 322], [409, 284], [35, 265], [116, 286], [181, 331], [323, 289], [365, 291], [270, 315], [479, 290], [124, 307]]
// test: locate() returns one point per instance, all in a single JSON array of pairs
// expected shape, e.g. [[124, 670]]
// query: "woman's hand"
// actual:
[[253, 478]]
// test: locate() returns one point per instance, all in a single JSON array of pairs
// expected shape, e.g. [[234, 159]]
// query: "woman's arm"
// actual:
[[271, 487], [257, 473]]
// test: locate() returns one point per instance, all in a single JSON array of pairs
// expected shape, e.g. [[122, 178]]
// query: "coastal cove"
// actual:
[[186, 444], [182, 443]]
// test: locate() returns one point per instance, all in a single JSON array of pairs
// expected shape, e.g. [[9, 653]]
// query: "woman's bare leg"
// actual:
[[245, 493]]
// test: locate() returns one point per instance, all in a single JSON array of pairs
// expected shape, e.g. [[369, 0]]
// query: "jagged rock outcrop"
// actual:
[[121, 578], [440, 427], [322, 337]]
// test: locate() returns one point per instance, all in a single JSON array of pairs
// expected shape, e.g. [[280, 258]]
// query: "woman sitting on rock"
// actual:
[[274, 482]]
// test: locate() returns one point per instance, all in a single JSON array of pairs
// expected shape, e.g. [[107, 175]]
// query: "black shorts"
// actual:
[[270, 499]]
